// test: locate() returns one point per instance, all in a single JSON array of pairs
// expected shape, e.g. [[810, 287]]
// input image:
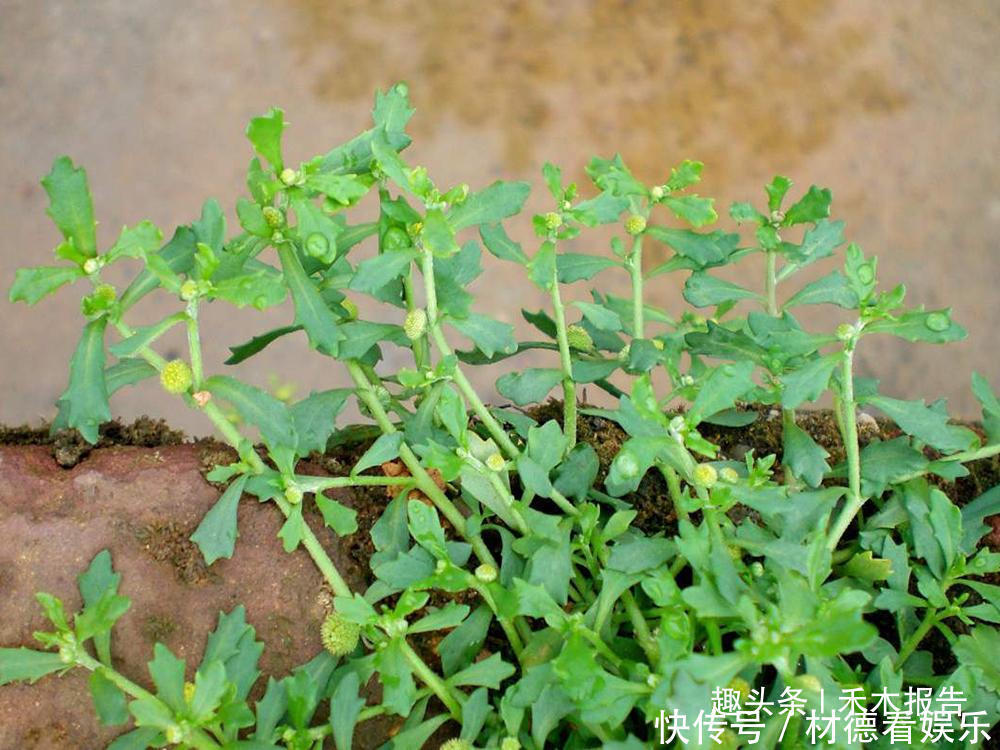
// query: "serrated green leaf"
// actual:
[[317, 230], [256, 407], [97, 579], [573, 267], [601, 209], [177, 256], [979, 650], [33, 284], [600, 316], [831, 289], [167, 672], [776, 191], [438, 235], [818, 242], [311, 312], [743, 212], [126, 372], [987, 504], [385, 448], [808, 382], [314, 418], [344, 189], [542, 267], [490, 336], [264, 132], [704, 250], [933, 326], [373, 274], [136, 242], [685, 174], [704, 290], [613, 176], [811, 207], [924, 423], [25, 664], [252, 219], [720, 390], [530, 386], [490, 205], [885, 462], [693, 209], [216, 534], [70, 206], [110, 702], [804, 457], [292, 530], [501, 245], [84, 403], [341, 519]]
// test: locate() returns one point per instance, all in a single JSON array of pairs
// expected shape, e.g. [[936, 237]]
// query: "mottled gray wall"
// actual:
[[894, 105]]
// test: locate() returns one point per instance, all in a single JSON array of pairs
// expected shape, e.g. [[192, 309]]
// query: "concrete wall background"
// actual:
[[893, 105]]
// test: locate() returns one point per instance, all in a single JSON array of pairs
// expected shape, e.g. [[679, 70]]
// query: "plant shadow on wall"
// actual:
[[513, 602]]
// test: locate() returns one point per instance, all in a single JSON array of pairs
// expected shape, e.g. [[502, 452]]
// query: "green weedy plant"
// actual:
[[592, 626]]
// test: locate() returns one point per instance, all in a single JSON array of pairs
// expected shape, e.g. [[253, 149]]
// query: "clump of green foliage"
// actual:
[[592, 626]]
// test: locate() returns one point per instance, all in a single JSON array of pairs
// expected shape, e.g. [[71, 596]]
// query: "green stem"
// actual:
[[914, 640], [771, 284], [676, 494], [420, 476], [434, 325], [318, 484], [196, 738], [566, 363], [849, 433], [431, 680], [714, 636], [194, 344], [635, 271], [508, 626]]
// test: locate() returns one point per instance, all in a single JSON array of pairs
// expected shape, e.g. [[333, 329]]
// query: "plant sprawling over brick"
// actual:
[[575, 627]]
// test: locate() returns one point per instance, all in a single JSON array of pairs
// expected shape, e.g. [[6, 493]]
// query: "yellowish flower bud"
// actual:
[[553, 220], [729, 475], [578, 338], [456, 744], [339, 636], [415, 325], [486, 573], [176, 376], [705, 475], [273, 217], [635, 224], [289, 176], [495, 462]]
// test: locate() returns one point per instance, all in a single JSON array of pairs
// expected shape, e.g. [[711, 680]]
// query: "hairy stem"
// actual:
[[634, 263], [431, 680], [566, 363], [849, 433]]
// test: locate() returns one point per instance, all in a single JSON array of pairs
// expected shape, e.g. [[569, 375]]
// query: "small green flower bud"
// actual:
[[396, 627], [339, 636], [350, 307], [658, 345], [705, 475], [277, 237], [845, 332], [777, 216], [635, 224], [176, 376], [486, 573], [653, 680], [105, 295], [553, 220], [628, 467], [273, 217], [414, 229], [174, 734], [495, 462], [510, 743], [578, 338], [456, 744], [729, 475], [415, 325], [687, 380], [91, 265], [566, 205], [293, 494], [289, 176], [440, 566], [189, 290], [657, 192], [317, 246], [756, 569], [189, 689]]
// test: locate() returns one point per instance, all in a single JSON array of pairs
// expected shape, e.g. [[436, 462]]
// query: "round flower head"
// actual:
[[91, 265], [635, 224], [273, 217], [176, 376], [415, 324], [495, 462], [578, 338], [552, 220], [289, 176], [189, 290], [339, 636], [729, 475], [456, 744], [657, 192], [705, 475], [486, 573], [510, 743]]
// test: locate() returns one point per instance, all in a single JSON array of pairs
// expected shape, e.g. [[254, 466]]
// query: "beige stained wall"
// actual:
[[894, 105]]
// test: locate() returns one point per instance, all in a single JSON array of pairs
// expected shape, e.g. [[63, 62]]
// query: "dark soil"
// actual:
[[141, 492]]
